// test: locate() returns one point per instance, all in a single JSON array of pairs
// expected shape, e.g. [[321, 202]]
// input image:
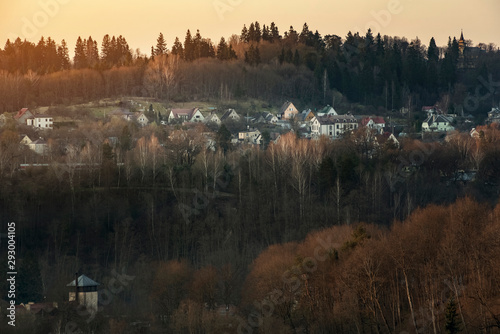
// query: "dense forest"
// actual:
[[197, 229], [260, 62]]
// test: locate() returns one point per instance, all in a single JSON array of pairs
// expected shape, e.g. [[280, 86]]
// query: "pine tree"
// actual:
[[80, 59], [222, 50], [161, 45], [258, 33], [275, 35], [188, 47], [244, 34], [251, 33], [106, 49], [296, 58], [452, 324], [177, 48], [63, 55]]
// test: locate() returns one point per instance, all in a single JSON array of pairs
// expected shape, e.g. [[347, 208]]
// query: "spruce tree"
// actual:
[[161, 45], [452, 324]]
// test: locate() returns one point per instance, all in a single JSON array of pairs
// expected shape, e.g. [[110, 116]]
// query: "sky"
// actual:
[[140, 22]]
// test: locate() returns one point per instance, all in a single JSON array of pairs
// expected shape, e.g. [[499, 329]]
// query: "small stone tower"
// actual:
[[84, 292]]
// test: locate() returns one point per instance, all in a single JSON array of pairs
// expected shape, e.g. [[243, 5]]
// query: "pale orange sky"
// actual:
[[140, 22]]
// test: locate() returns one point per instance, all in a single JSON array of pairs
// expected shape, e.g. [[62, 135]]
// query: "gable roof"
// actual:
[[39, 141], [327, 110], [437, 119], [228, 114], [84, 281], [285, 106], [21, 112], [333, 119], [183, 113]]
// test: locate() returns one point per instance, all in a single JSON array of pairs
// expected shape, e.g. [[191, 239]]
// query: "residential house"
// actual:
[[333, 126], [212, 118], [493, 116], [373, 122], [230, 114], [326, 111], [306, 116], [250, 137], [288, 111], [39, 146], [40, 121], [266, 117], [25, 140], [84, 292], [186, 115], [22, 115], [3, 120], [142, 120], [438, 123], [387, 138], [125, 114]]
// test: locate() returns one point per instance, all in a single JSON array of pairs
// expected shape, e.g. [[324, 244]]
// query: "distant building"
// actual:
[[373, 122], [250, 137], [493, 116], [212, 118], [40, 121], [22, 115], [142, 120], [288, 111], [231, 115], [467, 56], [326, 111], [437, 123], [186, 115], [39, 146], [333, 126], [84, 292]]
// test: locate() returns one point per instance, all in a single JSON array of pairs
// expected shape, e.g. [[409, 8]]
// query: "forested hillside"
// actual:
[[260, 62]]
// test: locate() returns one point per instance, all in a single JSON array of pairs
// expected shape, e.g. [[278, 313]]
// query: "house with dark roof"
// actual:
[[437, 123], [212, 118], [333, 126], [326, 111], [288, 111], [230, 114], [22, 115], [84, 292], [185, 115]]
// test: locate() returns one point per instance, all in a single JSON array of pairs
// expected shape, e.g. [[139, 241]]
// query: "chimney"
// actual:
[[76, 287]]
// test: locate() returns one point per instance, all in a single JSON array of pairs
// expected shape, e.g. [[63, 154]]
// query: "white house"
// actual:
[[40, 121], [186, 115], [333, 126], [250, 137], [230, 114], [439, 123], [142, 119], [327, 111], [377, 123], [212, 118]]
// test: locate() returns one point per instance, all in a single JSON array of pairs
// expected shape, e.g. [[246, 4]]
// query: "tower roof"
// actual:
[[84, 281], [462, 35]]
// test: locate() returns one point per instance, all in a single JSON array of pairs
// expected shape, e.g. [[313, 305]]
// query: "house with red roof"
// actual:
[[373, 122], [22, 115]]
